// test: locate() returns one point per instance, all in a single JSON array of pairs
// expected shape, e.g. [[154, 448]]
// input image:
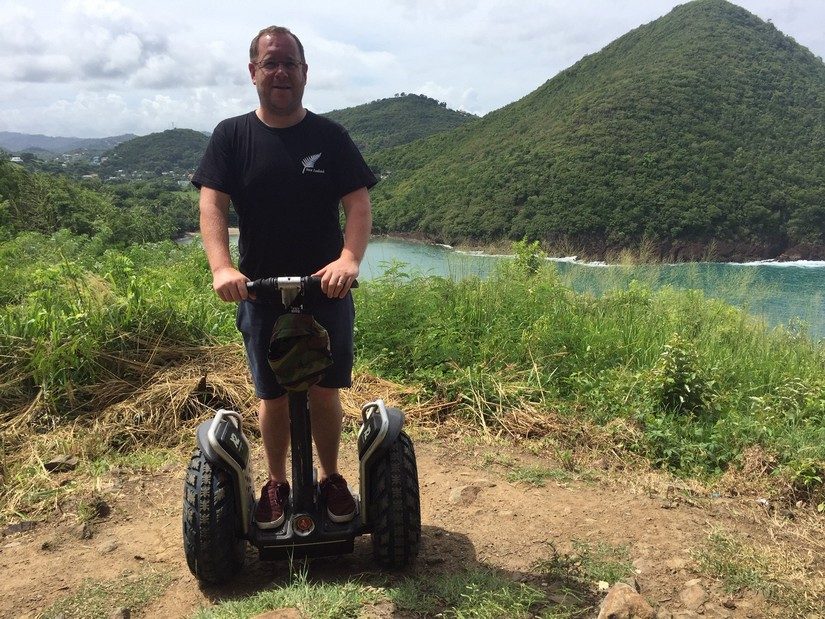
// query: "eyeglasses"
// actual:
[[270, 66]]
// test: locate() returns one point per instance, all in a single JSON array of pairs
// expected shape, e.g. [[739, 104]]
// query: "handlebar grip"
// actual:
[[271, 284]]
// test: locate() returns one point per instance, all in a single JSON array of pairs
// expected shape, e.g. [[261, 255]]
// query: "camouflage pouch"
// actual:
[[299, 351]]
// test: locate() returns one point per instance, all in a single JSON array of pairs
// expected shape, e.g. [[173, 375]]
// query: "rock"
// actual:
[[675, 564], [83, 531], [713, 611], [643, 566], [20, 527], [61, 464], [693, 596], [603, 585], [380, 610], [107, 547], [752, 605], [280, 613], [622, 602], [121, 613], [601, 463], [463, 495], [101, 508]]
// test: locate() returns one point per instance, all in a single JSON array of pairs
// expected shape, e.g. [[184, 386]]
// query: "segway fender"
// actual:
[[380, 429], [223, 443], [381, 426], [230, 441]]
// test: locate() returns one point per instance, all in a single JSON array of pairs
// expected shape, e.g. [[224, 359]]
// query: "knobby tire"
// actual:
[[395, 506], [214, 550]]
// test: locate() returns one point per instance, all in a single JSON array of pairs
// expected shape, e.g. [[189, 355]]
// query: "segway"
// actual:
[[219, 498]]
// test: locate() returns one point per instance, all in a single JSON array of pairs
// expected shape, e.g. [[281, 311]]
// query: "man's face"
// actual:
[[280, 88]]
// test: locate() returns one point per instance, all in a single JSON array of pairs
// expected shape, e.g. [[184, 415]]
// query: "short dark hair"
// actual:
[[273, 30]]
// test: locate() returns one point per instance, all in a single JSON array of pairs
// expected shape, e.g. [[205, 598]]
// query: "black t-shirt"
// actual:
[[286, 186]]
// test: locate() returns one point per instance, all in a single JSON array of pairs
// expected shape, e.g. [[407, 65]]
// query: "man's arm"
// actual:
[[337, 276], [227, 281]]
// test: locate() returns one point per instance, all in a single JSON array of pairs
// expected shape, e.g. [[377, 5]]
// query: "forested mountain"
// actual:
[[397, 120], [176, 150], [704, 129], [33, 143]]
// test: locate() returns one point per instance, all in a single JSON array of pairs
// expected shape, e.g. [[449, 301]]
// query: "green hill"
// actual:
[[397, 120], [701, 130], [175, 150]]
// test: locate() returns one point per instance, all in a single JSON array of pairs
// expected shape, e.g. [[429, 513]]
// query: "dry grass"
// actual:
[[782, 573], [158, 408], [176, 398]]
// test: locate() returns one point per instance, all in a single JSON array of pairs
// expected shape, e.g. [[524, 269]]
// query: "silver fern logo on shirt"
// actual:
[[309, 164]]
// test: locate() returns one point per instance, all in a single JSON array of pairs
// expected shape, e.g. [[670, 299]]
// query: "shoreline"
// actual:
[[645, 253], [804, 256]]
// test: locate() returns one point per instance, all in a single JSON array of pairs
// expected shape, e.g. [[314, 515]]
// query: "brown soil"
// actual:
[[506, 526]]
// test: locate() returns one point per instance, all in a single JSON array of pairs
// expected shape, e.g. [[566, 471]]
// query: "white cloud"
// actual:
[[123, 54], [103, 10], [100, 67]]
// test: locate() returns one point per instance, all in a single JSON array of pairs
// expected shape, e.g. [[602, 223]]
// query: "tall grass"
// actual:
[[697, 381], [74, 315], [699, 378]]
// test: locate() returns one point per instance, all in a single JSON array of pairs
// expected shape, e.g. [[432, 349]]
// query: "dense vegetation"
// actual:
[[397, 120], [703, 127], [114, 215], [174, 150], [686, 381]]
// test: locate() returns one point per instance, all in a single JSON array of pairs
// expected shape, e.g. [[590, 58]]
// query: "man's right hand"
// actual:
[[230, 284]]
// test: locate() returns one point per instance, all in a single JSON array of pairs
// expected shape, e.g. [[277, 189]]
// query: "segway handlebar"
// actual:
[[267, 287]]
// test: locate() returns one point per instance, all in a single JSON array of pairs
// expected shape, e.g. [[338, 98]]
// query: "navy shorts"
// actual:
[[256, 319]]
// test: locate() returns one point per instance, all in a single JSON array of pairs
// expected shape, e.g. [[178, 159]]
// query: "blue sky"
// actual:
[[92, 68]]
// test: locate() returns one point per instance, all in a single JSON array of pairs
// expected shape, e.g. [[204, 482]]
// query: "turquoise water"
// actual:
[[786, 293], [780, 293]]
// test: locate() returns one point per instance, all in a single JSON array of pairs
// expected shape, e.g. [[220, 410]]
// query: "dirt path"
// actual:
[[493, 523]]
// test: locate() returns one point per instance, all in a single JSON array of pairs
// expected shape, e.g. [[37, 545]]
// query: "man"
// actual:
[[285, 170]]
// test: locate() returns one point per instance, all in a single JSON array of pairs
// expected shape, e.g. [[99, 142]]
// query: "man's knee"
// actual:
[[274, 405], [324, 397]]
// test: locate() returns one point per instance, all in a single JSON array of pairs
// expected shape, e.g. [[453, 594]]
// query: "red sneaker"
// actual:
[[336, 494], [269, 511]]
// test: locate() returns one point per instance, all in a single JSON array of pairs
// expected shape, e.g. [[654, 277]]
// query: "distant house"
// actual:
[[16, 160]]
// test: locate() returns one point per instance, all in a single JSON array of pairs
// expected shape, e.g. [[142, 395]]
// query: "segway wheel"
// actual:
[[214, 550], [395, 506]]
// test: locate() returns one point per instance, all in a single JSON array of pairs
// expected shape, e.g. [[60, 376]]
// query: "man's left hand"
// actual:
[[337, 277]]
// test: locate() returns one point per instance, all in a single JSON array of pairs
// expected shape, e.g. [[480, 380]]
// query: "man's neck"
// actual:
[[280, 121]]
